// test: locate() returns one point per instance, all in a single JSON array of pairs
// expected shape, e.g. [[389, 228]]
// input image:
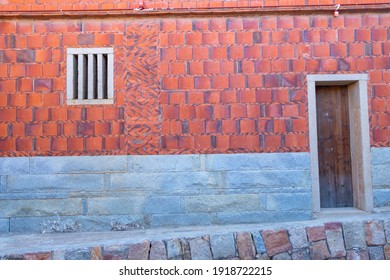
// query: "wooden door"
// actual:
[[334, 151]]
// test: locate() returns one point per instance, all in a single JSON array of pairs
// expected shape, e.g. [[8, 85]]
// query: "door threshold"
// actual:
[[339, 212]]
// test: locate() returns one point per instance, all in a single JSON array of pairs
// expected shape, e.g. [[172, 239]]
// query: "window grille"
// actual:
[[90, 75]]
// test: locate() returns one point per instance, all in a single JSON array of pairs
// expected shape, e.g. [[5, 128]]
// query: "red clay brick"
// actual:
[[197, 126], [236, 52], [201, 53], [175, 39], [238, 111], [229, 126], [227, 67], [170, 142], [41, 114], [270, 51], [195, 97], [186, 83], [210, 38], [184, 53], [50, 129], [252, 51], [202, 83], [279, 37], [194, 38], [218, 24], [93, 143], [220, 82], [18, 129], [25, 115], [227, 38], [245, 37], [187, 112], [24, 144]]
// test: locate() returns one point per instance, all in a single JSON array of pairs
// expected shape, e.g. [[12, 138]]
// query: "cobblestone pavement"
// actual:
[[357, 238]]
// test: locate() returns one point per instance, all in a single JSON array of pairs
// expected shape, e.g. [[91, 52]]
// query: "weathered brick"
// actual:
[[375, 234], [158, 250], [276, 241], [245, 246], [319, 250], [316, 233], [139, 251]]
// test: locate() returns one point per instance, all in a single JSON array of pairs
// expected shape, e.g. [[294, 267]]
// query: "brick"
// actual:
[[246, 38], [193, 38], [184, 53], [24, 144], [328, 35], [24, 115], [43, 85], [210, 38], [170, 83], [375, 234], [235, 52], [201, 52], [176, 39], [269, 22], [321, 50], [319, 250], [168, 54], [200, 24], [270, 51], [43, 55]]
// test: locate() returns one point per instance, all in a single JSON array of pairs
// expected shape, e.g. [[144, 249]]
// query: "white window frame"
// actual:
[[83, 94]]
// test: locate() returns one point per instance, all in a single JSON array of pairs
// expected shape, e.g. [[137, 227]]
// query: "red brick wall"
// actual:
[[208, 84], [42, 5]]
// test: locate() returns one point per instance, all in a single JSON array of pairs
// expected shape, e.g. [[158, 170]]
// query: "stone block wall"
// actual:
[[357, 239], [46, 194], [380, 176]]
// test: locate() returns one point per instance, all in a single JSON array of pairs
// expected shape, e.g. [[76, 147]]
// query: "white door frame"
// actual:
[[360, 136]]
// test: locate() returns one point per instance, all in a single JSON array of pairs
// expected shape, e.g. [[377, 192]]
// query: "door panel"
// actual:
[[334, 152]]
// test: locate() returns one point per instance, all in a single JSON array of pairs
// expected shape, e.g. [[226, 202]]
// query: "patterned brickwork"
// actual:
[[201, 85], [55, 5], [142, 88]]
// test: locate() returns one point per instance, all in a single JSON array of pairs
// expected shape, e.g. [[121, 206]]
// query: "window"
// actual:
[[90, 76]]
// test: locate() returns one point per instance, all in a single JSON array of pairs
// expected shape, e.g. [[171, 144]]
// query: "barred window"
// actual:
[[90, 76]]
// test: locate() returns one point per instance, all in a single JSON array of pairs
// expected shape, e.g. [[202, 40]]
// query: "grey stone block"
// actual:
[[286, 202], [380, 176], [115, 252], [158, 251], [268, 178], [354, 235], [14, 165], [282, 256], [380, 155], [3, 184], [200, 249], [298, 238], [259, 243], [261, 161], [164, 163], [32, 195], [55, 183], [223, 246], [47, 207], [58, 255], [4, 225], [387, 229], [222, 203], [84, 223], [139, 251], [381, 197], [79, 164], [174, 249], [133, 205], [336, 242], [300, 254], [262, 217], [193, 219], [186, 182], [78, 254], [376, 253]]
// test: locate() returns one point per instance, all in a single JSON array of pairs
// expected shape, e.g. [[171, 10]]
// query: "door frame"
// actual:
[[359, 133]]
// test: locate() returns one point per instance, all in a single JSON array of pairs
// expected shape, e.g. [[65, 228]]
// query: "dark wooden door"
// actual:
[[334, 152]]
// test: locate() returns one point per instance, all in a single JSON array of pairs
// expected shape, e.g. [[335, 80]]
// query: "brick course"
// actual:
[[202, 85]]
